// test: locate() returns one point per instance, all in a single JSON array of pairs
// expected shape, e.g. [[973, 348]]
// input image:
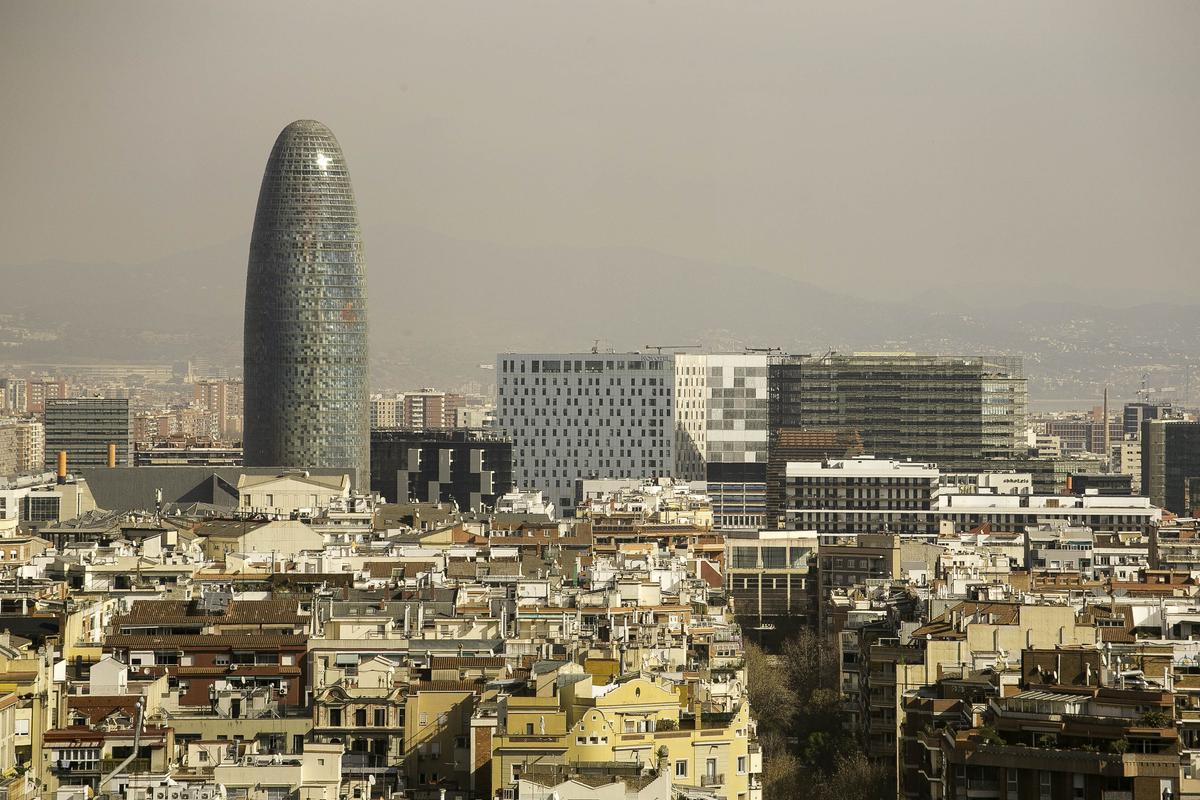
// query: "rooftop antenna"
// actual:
[[661, 347]]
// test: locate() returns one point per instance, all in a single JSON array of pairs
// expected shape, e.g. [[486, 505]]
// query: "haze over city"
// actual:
[[599, 400], [936, 156]]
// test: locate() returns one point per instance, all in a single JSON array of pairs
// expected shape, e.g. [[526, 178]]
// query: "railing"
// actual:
[[133, 767], [710, 779]]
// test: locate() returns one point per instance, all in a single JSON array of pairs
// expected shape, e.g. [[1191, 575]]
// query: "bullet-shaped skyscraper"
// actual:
[[305, 358]]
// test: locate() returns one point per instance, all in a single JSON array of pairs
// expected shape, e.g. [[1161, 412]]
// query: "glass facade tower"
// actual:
[[953, 411], [305, 359]]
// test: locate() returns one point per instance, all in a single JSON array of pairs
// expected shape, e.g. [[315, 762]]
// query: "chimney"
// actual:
[[62, 467], [112, 455]]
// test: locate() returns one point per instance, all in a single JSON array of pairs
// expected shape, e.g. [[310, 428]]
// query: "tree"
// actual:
[[771, 699], [856, 777], [812, 663], [781, 770]]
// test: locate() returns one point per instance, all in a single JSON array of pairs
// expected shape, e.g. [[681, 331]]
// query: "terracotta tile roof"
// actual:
[[97, 708], [78, 733], [240, 612], [447, 686], [467, 662], [270, 670]]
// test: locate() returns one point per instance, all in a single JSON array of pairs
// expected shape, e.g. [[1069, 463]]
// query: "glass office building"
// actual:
[[84, 427], [306, 401], [952, 411]]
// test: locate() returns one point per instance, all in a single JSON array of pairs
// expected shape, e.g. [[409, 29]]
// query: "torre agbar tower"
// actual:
[[305, 357]]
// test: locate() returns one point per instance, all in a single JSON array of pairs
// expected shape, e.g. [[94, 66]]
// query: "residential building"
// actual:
[[22, 447], [222, 398], [385, 411], [42, 389], [14, 395], [429, 409]]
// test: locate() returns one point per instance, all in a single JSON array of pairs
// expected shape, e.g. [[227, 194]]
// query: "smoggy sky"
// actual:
[[870, 147]]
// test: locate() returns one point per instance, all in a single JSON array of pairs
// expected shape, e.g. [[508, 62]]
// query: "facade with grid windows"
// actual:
[[950, 410], [305, 364], [692, 417], [586, 415]]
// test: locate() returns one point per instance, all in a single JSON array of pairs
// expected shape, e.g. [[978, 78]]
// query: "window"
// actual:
[[381, 718], [680, 769], [741, 765], [335, 717], [423, 720]]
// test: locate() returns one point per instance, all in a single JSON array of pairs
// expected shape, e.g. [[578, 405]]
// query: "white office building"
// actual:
[[633, 415]]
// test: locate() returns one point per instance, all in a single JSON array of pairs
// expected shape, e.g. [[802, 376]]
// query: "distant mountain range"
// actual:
[[440, 307]]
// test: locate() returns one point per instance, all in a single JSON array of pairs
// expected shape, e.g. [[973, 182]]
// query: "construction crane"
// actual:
[[661, 347]]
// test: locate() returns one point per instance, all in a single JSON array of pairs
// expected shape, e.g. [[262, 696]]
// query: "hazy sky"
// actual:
[[874, 147]]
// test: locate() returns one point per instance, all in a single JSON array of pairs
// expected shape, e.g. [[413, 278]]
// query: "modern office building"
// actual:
[[470, 468], [692, 417], [1108, 483], [586, 415], [1170, 459], [734, 437], [1082, 433], [1134, 414], [305, 361], [182, 452], [867, 495], [950, 410], [789, 445], [85, 427]]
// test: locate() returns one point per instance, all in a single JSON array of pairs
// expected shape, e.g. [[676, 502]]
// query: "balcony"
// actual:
[[134, 767], [1110, 764], [368, 763], [717, 779], [756, 759]]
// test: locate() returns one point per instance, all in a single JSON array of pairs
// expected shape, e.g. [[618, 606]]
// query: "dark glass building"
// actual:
[[1170, 463], [472, 468], [953, 411], [306, 402], [84, 427]]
